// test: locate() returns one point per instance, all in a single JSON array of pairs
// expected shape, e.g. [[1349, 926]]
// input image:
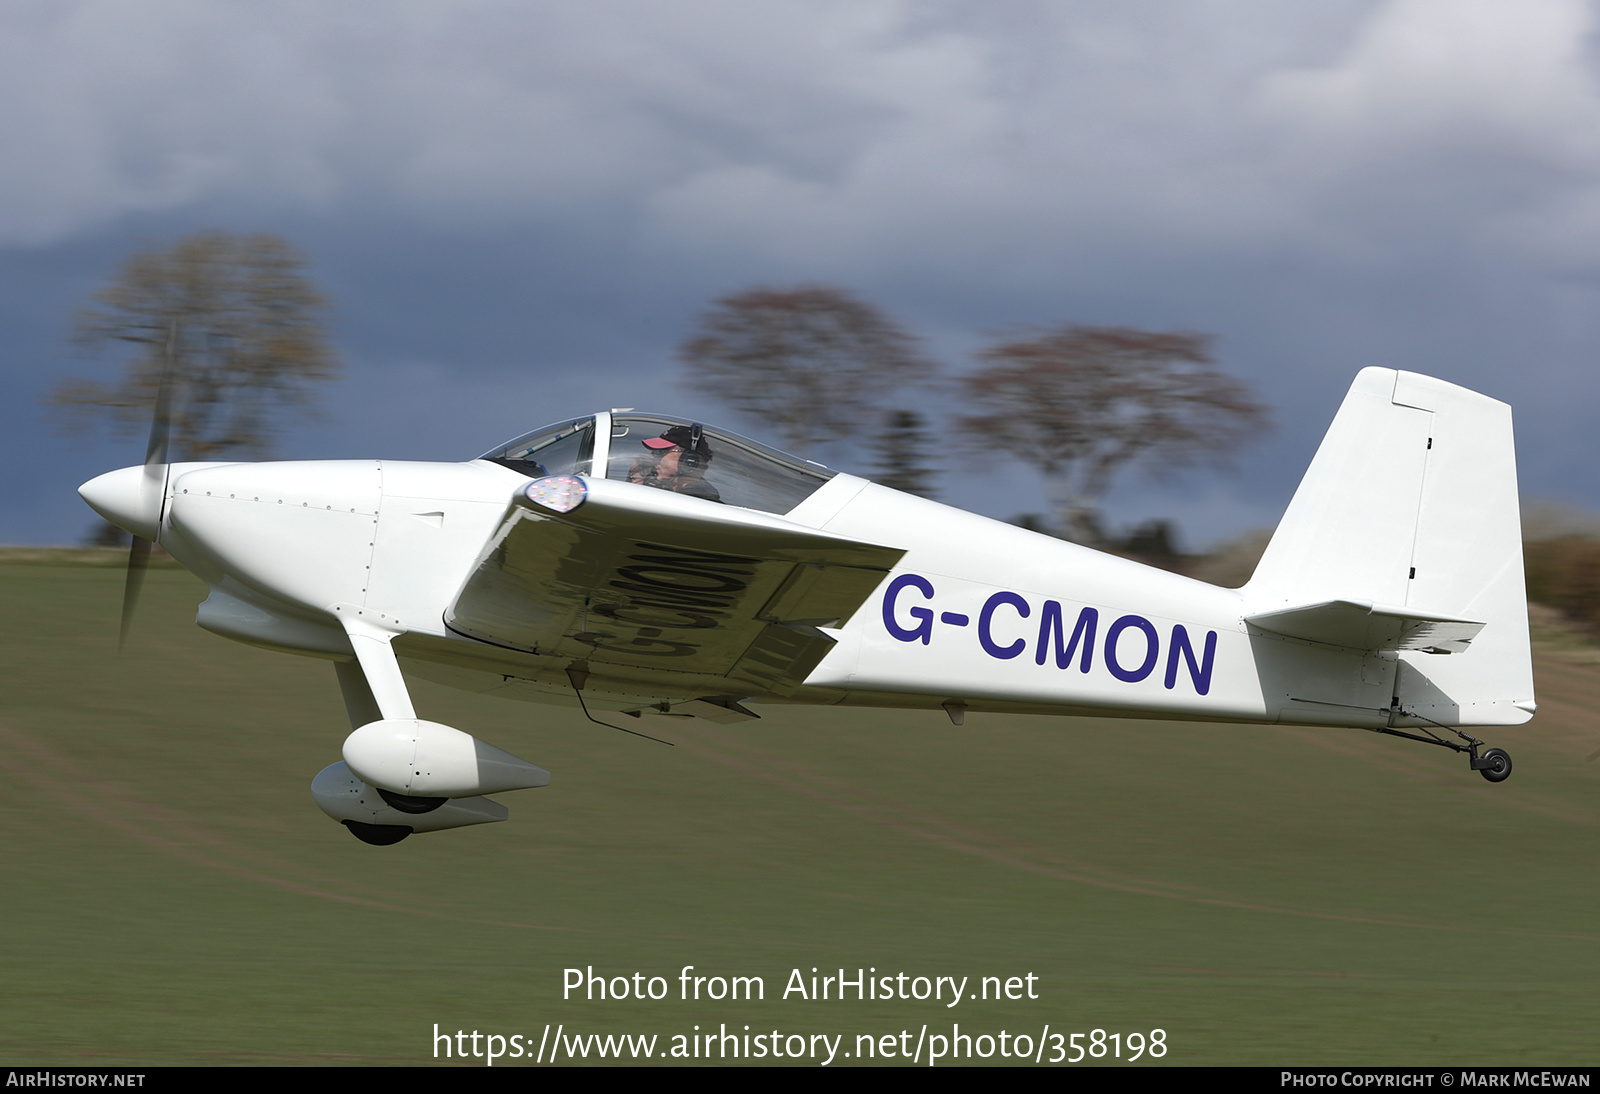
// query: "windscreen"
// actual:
[[565, 449]]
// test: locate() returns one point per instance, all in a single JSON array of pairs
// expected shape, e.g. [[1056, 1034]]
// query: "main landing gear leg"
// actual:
[[1494, 765]]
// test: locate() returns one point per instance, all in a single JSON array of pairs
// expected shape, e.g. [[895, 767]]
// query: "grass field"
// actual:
[[171, 895]]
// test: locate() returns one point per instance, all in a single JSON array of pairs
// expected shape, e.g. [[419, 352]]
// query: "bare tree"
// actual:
[[813, 362], [1082, 403], [246, 338]]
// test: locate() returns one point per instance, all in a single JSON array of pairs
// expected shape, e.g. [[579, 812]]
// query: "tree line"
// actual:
[[240, 327], [1081, 404]]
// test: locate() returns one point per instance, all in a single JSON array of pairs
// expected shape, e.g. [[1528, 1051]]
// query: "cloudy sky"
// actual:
[[518, 208]]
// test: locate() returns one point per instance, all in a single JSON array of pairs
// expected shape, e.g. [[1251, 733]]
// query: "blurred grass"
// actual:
[[1265, 896]]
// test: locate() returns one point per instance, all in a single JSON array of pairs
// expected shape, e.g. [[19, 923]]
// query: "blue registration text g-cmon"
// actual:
[[1131, 648]]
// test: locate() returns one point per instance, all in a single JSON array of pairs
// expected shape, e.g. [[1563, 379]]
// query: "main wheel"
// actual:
[[379, 835], [1498, 767]]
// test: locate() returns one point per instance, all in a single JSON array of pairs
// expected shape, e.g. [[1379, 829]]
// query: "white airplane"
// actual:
[[644, 565]]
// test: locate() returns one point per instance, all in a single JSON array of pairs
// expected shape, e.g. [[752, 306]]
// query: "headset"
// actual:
[[693, 457]]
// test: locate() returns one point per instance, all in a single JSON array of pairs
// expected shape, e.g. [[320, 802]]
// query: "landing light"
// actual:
[[558, 493]]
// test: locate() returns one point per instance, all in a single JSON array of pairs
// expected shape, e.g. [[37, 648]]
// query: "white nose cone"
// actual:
[[130, 498]]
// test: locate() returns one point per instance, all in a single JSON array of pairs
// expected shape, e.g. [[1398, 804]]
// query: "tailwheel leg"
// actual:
[[1494, 764]]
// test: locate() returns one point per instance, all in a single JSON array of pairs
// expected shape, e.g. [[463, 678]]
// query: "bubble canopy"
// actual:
[[667, 453]]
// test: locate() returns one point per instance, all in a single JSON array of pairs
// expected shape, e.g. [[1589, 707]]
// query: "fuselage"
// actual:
[[978, 615], [709, 568]]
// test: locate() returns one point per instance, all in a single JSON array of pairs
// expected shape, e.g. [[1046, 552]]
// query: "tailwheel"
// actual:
[[1494, 765]]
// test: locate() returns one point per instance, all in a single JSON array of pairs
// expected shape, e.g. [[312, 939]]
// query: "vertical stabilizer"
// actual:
[[1411, 502]]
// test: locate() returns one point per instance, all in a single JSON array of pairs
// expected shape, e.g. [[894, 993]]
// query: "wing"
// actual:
[[641, 583]]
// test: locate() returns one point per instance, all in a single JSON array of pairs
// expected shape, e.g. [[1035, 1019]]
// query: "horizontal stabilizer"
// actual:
[[1363, 625]]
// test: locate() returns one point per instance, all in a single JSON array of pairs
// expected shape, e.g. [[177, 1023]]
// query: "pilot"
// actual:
[[676, 461]]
